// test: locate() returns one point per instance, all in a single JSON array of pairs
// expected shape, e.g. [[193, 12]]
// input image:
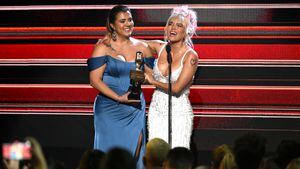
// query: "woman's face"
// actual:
[[176, 29], [123, 24]]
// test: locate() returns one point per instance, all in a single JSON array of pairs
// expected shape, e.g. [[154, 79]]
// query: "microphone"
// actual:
[[169, 58], [168, 49]]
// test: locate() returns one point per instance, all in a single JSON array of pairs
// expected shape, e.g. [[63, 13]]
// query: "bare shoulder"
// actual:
[[100, 49], [192, 57], [193, 54], [142, 46]]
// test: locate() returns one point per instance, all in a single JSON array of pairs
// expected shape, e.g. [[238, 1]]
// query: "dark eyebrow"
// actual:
[[126, 19]]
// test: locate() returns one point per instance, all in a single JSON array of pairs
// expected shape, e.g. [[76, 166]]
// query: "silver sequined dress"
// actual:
[[182, 112]]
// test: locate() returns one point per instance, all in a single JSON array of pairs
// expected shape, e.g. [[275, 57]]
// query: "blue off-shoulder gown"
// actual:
[[117, 124]]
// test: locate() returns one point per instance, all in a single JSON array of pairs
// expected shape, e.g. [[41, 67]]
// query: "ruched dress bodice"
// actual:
[[117, 124]]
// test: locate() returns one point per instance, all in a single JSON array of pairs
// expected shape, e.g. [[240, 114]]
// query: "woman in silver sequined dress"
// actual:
[[180, 28]]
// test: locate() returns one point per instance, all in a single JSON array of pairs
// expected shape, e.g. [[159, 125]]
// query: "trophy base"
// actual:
[[135, 94], [134, 97]]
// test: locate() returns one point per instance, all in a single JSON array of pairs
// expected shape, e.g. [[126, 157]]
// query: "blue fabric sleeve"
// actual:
[[96, 62], [149, 61]]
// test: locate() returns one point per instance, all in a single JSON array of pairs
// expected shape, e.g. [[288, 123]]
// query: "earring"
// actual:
[[114, 36]]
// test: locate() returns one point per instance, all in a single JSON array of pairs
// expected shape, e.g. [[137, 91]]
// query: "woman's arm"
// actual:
[[97, 74], [184, 79], [148, 53], [154, 45]]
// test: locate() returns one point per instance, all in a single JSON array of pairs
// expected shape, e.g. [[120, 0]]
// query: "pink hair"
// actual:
[[191, 17]]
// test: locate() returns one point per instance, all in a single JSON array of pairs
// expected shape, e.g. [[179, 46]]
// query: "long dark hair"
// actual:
[[112, 15]]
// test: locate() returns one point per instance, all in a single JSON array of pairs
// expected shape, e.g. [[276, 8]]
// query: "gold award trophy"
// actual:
[[137, 77]]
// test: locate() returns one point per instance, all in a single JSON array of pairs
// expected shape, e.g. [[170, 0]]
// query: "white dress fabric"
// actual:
[[182, 112]]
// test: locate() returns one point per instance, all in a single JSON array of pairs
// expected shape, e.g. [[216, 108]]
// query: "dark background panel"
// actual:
[[150, 17], [205, 75], [105, 2], [102, 2], [44, 74]]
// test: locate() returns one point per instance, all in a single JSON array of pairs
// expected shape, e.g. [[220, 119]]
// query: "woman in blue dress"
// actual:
[[118, 122]]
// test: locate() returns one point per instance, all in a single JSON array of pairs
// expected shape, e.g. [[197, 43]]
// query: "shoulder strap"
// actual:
[[184, 55], [161, 49]]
